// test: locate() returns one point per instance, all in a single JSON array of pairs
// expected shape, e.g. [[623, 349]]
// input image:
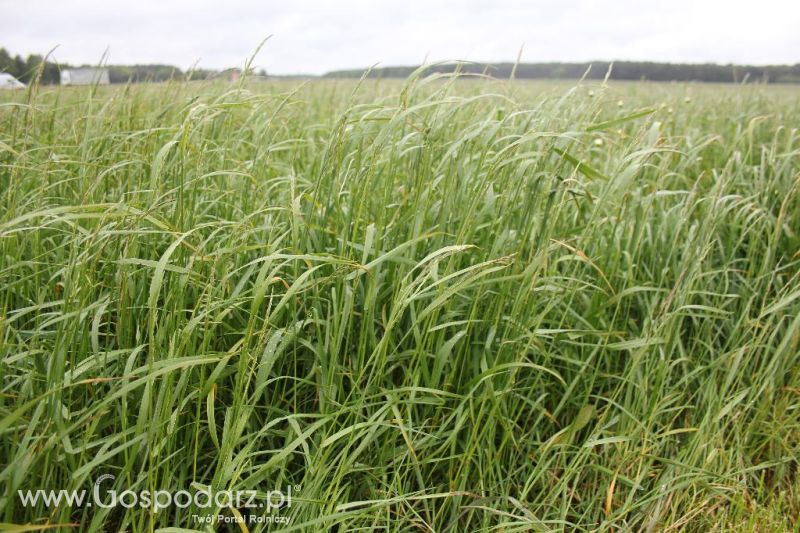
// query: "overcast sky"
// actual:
[[311, 36]]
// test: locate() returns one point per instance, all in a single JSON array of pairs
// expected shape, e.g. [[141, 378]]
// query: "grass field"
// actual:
[[431, 305]]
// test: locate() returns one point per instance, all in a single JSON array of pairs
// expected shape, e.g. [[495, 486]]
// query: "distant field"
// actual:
[[430, 305]]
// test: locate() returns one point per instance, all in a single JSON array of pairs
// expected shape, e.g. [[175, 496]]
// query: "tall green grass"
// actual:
[[439, 305]]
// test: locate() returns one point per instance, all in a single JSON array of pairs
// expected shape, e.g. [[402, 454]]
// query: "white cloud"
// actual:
[[315, 36]]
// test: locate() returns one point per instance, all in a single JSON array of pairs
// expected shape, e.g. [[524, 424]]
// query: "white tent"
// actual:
[[7, 81]]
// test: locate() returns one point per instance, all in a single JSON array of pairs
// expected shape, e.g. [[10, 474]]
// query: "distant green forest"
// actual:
[[621, 70], [26, 69]]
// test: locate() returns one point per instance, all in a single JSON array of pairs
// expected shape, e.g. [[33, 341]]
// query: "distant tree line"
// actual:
[[26, 70], [621, 70]]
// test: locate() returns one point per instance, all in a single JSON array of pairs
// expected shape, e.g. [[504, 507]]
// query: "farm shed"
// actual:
[[84, 76]]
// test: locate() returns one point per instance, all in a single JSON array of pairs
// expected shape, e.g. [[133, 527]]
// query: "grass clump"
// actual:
[[437, 305]]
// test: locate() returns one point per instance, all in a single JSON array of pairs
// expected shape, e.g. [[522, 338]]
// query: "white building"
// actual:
[[84, 76], [7, 81]]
